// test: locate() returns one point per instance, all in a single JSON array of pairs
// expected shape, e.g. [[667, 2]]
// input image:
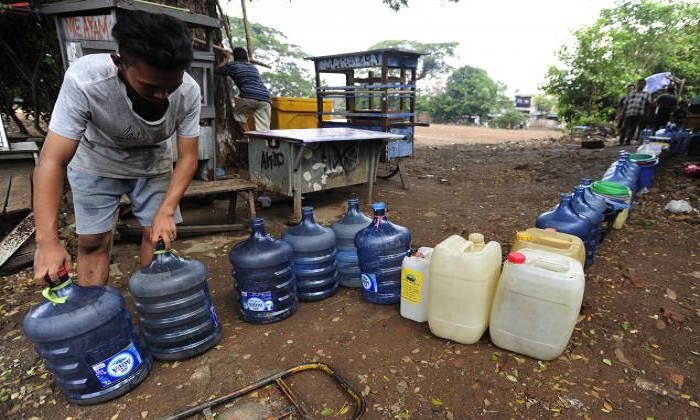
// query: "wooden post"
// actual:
[[247, 29]]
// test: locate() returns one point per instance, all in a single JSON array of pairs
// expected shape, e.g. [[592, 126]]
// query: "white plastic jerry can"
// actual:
[[463, 274], [415, 278], [537, 302]]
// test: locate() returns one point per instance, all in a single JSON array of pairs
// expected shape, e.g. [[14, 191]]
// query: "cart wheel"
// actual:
[[387, 169]]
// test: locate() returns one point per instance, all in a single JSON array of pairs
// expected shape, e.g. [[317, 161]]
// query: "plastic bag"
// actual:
[[678, 206]]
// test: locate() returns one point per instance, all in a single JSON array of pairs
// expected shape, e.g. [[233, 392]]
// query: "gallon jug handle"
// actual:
[[49, 293], [160, 249], [171, 251], [556, 242]]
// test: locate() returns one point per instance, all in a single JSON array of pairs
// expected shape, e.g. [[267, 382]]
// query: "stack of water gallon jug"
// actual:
[[88, 341], [310, 261]]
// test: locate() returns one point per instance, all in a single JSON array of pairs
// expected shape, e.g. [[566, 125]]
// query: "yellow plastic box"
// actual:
[[289, 112]]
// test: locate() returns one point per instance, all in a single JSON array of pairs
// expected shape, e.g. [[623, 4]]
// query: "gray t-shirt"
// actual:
[[93, 108]]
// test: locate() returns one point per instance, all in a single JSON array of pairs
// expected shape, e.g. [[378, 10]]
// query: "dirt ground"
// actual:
[[635, 352]]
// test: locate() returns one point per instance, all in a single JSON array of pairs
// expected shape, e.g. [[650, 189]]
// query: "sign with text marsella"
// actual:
[[93, 28], [350, 62]]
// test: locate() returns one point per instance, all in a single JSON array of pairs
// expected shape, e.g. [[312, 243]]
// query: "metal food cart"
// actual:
[[378, 94], [85, 27], [298, 161]]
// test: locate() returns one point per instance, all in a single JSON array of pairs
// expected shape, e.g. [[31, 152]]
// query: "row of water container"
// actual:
[[95, 352], [89, 343], [595, 207], [529, 303], [310, 261], [677, 139]]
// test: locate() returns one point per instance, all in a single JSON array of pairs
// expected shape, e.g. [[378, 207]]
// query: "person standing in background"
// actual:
[[253, 97], [665, 104], [637, 105], [620, 111], [680, 114]]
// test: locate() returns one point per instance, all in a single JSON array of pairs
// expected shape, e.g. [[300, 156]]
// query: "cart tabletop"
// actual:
[[316, 135]]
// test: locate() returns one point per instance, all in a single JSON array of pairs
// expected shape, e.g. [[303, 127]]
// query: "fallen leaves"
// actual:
[[607, 406], [672, 317], [677, 379], [634, 281]]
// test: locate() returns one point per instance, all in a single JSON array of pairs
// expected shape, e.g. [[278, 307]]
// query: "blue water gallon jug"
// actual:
[[623, 165], [381, 247], [345, 230], [263, 277], [579, 205], [563, 218], [599, 204], [314, 257], [174, 305], [595, 201], [88, 342], [630, 166], [621, 175]]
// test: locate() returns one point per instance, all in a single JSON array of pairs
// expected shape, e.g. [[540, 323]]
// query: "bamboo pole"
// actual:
[[224, 49], [247, 28]]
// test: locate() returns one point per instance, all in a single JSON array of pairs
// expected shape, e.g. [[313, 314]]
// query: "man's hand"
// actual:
[[48, 258], [225, 58], [163, 227]]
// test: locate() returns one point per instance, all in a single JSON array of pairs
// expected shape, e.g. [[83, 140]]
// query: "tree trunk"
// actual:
[[230, 153]]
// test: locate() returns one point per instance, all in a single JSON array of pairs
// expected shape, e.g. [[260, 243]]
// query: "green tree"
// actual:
[[510, 119], [637, 38], [433, 64], [544, 103], [30, 67], [469, 92], [288, 76]]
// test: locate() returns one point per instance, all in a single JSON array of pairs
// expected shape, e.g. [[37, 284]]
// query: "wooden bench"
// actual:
[[16, 192], [230, 187], [20, 150], [16, 202]]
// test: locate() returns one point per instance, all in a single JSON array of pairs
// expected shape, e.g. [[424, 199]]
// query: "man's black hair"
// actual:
[[160, 40], [240, 54]]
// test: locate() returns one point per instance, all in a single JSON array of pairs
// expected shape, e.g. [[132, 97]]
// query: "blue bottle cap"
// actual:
[[379, 206]]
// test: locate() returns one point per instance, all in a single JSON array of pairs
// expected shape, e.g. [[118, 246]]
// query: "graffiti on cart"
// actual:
[[269, 160], [331, 161]]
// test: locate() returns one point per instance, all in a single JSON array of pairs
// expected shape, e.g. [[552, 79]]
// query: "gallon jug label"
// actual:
[[257, 302], [214, 319], [118, 366], [369, 282], [411, 285]]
